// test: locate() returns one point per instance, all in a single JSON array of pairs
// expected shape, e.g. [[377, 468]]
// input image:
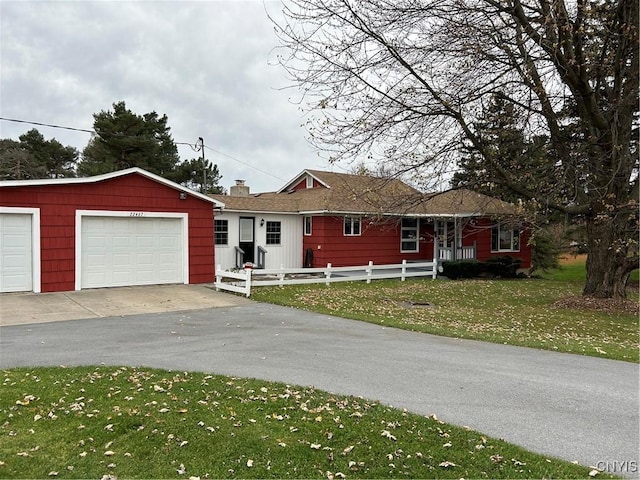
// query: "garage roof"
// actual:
[[110, 175]]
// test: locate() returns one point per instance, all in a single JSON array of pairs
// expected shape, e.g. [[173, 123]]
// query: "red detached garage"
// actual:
[[129, 227]]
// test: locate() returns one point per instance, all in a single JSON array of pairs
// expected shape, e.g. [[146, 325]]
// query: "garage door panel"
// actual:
[[16, 254], [145, 242], [121, 241], [136, 251], [94, 241], [167, 242], [121, 261], [145, 259]]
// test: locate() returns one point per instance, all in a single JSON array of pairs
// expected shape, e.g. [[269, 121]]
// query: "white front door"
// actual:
[[121, 251]]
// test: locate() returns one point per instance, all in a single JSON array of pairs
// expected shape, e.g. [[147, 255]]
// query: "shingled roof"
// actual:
[[341, 193]]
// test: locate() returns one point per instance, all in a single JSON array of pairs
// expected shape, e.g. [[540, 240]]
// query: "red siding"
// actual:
[[134, 192], [480, 231], [380, 242], [302, 184]]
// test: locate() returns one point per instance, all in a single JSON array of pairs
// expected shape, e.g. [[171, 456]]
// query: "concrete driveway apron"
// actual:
[[578, 408]]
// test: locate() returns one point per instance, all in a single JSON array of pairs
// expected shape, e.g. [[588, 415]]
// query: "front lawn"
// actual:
[[526, 312], [110, 422]]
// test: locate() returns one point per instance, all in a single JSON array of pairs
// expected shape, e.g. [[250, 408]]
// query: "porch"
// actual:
[[466, 252]]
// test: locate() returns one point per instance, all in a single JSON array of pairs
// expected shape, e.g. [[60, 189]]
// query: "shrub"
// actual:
[[545, 252], [503, 267], [455, 269]]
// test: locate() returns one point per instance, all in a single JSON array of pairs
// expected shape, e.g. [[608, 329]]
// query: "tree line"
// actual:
[[122, 139]]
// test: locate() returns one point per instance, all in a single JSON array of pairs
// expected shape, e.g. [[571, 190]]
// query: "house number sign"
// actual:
[[136, 214]]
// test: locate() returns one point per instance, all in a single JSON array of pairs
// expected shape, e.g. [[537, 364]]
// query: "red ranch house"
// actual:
[[129, 227], [321, 217]]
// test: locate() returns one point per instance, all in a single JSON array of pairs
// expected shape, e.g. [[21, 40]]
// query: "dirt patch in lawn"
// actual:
[[608, 305]]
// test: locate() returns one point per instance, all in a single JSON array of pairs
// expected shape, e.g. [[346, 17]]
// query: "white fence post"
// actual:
[[434, 268], [327, 274], [247, 284], [281, 275], [404, 270], [369, 271], [218, 278]]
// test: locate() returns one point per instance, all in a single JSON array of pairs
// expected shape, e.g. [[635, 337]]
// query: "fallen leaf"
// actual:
[[387, 434]]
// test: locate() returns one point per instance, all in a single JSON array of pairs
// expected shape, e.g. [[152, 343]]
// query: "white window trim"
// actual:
[[514, 232], [118, 213], [417, 238], [352, 220], [266, 233], [214, 232], [35, 242], [309, 183], [304, 225]]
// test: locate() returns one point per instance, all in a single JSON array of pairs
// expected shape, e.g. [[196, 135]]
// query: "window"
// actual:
[[221, 232], [351, 226], [274, 230], [309, 181], [504, 239], [307, 225], [409, 235]]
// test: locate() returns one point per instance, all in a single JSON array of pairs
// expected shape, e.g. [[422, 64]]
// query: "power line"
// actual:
[[244, 163], [47, 125], [193, 146]]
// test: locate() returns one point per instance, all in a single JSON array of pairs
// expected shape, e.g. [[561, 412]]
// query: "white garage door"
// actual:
[[16, 268], [120, 251]]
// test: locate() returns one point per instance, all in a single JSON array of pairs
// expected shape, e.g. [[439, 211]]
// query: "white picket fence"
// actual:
[[242, 281]]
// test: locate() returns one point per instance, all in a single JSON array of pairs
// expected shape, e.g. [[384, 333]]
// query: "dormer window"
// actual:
[[309, 181]]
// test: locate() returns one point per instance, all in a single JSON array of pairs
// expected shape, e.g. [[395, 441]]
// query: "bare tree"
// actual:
[[404, 82]]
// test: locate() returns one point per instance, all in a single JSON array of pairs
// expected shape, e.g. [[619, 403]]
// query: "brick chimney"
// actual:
[[239, 189]]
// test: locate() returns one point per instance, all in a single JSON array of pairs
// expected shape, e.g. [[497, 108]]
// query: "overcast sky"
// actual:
[[205, 64]]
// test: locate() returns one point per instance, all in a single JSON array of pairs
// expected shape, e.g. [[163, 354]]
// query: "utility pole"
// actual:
[[204, 167]]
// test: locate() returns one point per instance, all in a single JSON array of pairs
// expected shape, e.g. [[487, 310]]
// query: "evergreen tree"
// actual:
[[190, 173], [57, 160], [124, 139], [502, 134], [34, 157]]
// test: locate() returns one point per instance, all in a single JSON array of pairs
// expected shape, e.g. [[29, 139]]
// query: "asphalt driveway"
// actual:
[[578, 408]]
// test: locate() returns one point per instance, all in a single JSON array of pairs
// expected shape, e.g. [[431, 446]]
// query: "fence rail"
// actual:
[[242, 281]]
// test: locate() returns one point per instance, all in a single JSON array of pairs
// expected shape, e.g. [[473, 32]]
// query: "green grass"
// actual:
[[573, 269], [124, 422], [516, 312]]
